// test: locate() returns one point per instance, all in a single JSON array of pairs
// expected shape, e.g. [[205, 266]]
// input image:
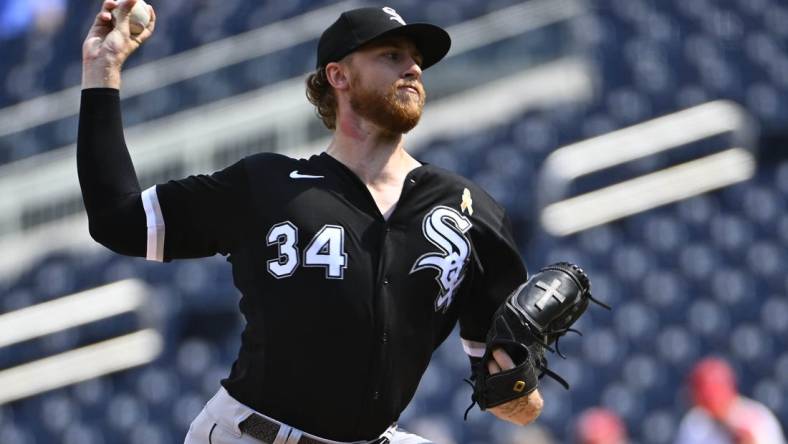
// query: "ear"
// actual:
[[338, 75]]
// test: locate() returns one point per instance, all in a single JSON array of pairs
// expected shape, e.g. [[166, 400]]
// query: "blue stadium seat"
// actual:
[[16, 298], [766, 261], [642, 372], [658, 427], [636, 321], [125, 412], [666, 291], [763, 99], [209, 383], [57, 412], [16, 434], [697, 211], [626, 402], [735, 288], [770, 394], [602, 348], [81, 434], [150, 433], [157, 385], [59, 342], [631, 262], [628, 106], [750, 343], [663, 233], [535, 135], [598, 124], [554, 412], [781, 370], [185, 408], [677, 346], [698, 260], [92, 393], [731, 232], [194, 357], [761, 204], [774, 317], [708, 317]]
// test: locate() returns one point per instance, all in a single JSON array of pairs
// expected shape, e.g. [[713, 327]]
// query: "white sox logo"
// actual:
[[394, 15], [445, 228]]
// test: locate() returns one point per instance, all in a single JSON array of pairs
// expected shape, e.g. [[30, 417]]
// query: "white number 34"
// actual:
[[326, 249]]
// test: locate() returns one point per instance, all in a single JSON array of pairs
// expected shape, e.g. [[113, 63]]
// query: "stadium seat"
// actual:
[[77, 433]]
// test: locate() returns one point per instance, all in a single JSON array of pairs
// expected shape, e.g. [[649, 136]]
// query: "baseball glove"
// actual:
[[531, 319]]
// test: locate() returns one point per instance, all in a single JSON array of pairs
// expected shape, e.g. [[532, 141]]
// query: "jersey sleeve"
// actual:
[[499, 270], [193, 217], [197, 216]]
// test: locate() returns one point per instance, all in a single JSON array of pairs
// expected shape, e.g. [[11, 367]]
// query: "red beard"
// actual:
[[395, 110]]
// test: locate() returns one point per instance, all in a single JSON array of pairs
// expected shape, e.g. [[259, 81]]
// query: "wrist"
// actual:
[[100, 75], [520, 411]]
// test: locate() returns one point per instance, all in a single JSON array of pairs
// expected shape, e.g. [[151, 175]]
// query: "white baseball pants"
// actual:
[[218, 423]]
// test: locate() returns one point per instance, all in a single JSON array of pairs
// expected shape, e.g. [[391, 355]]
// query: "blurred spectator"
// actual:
[[600, 426], [16, 16], [720, 414]]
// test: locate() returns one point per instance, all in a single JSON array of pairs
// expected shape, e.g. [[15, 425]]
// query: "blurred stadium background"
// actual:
[[644, 139]]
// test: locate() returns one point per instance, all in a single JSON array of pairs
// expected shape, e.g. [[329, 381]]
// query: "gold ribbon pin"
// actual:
[[467, 202]]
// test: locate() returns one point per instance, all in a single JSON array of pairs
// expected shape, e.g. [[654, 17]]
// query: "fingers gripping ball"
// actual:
[[139, 16], [531, 319]]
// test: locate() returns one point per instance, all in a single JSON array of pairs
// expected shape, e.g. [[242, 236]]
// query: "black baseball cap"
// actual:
[[356, 27]]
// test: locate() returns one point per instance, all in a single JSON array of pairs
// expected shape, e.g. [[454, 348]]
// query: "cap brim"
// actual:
[[433, 42]]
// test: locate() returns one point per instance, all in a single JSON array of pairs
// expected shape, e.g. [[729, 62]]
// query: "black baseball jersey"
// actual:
[[343, 308]]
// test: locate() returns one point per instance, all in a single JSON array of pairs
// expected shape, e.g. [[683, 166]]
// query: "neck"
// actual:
[[374, 154]]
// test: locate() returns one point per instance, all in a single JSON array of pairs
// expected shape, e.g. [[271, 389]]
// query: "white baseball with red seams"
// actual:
[[138, 17]]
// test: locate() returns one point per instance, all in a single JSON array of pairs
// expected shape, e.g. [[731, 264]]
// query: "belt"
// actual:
[[266, 430]]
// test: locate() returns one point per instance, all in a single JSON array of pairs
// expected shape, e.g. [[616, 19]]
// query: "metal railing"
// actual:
[[87, 362], [564, 214]]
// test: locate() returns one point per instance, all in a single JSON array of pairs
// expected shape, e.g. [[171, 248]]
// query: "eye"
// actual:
[[392, 55]]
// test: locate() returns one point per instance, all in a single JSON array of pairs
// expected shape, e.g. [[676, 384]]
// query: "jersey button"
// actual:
[[384, 338], [386, 280], [376, 395]]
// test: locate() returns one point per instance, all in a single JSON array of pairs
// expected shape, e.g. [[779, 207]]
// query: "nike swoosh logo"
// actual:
[[295, 175]]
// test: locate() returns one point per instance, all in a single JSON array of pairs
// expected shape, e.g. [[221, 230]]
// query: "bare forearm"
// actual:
[[96, 74], [520, 411]]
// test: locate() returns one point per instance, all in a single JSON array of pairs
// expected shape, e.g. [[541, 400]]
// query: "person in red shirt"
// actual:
[[720, 414], [600, 426]]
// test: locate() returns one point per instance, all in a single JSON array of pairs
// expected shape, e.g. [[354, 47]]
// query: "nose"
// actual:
[[413, 72]]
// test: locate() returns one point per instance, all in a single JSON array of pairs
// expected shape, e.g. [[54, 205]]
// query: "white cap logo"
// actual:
[[394, 15]]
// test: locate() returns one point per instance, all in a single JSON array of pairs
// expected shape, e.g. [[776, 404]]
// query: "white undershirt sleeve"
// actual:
[[474, 349], [155, 223]]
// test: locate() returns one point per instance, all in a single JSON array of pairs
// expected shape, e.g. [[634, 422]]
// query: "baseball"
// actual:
[[138, 18]]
